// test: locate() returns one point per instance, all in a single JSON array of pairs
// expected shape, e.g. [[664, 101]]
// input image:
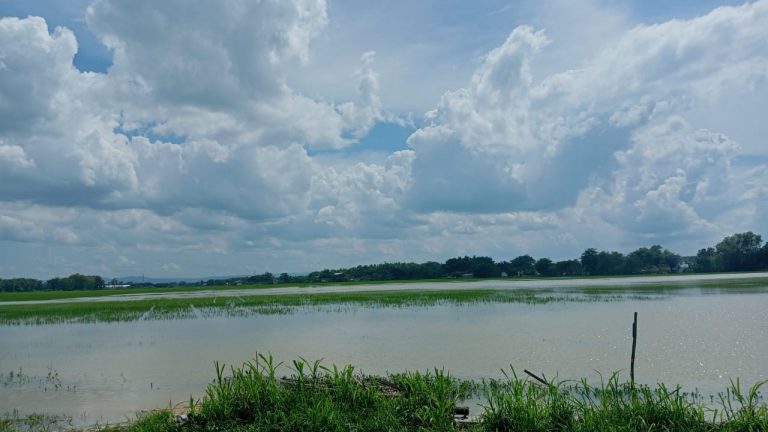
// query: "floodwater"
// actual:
[[106, 372]]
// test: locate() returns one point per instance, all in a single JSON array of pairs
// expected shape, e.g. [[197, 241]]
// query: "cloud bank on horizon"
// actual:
[[224, 139]]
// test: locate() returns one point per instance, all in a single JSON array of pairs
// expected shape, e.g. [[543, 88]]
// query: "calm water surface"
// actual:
[[105, 372]]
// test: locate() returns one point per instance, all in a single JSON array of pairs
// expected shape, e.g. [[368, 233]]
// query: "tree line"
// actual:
[[75, 282], [739, 252]]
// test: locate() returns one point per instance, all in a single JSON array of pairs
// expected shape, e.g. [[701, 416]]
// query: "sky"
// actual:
[[227, 138]]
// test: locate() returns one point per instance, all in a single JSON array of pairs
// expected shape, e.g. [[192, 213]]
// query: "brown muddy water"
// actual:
[[106, 372]]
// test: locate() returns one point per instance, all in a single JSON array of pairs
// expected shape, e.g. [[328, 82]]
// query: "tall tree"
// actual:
[[706, 260], [651, 260], [739, 252], [545, 267], [523, 265], [568, 268], [589, 261]]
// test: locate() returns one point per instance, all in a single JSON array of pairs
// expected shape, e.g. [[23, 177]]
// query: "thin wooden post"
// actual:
[[634, 344]]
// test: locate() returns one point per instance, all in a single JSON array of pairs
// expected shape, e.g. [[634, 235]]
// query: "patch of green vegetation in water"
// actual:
[[188, 308], [18, 379], [37, 422]]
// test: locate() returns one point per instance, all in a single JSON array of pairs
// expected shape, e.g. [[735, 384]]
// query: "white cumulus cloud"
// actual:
[[196, 150]]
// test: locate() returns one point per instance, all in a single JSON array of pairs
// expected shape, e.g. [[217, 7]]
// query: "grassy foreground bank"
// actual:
[[317, 398], [255, 397]]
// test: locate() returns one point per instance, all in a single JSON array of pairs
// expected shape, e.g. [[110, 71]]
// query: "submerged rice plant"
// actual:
[[36, 422]]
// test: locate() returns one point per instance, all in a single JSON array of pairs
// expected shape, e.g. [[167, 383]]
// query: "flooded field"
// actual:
[[623, 283], [105, 372]]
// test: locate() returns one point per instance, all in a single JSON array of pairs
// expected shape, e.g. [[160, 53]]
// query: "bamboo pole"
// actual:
[[634, 344]]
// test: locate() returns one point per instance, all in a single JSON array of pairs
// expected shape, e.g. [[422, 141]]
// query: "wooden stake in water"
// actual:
[[634, 344], [533, 375]]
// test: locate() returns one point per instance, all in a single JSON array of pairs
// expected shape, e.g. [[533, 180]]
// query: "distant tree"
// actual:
[[75, 282], [568, 268], [545, 267], [706, 260], [763, 257], [523, 265], [589, 261], [477, 266], [739, 252], [323, 275], [263, 278], [457, 266], [483, 267], [284, 278], [603, 262], [20, 285], [611, 263], [431, 270], [651, 260]]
